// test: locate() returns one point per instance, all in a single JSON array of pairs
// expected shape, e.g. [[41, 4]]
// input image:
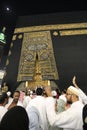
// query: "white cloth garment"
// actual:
[[71, 119], [34, 119], [26, 101], [82, 96], [3, 110], [10, 99], [39, 103]]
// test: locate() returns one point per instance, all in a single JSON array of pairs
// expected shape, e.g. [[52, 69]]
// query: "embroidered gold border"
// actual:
[[60, 27]]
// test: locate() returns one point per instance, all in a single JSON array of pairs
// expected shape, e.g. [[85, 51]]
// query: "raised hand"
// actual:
[[74, 82]]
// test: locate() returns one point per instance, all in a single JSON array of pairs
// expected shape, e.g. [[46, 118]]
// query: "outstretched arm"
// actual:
[[74, 82], [82, 95]]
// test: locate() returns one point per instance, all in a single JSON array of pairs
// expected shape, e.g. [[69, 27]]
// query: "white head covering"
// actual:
[[73, 90], [54, 93], [9, 93]]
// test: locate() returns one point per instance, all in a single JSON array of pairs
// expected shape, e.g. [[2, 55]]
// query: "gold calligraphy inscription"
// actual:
[[37, 57]]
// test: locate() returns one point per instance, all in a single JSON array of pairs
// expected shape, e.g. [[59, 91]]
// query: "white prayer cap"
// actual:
[[54, 93], [73, 90], [31, 92], [9, 93]]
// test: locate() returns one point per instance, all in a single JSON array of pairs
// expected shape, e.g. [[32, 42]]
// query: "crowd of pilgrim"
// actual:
[[44, 109]]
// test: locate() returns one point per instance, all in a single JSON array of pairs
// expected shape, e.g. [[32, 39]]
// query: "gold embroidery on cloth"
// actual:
[[37, 60]]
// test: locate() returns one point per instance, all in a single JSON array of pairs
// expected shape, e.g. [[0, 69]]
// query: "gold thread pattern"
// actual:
[[20, 36], [73, 32], [51, 27], [7, 62], [37, 46], [55, 33], [14, 37], [9, 53]]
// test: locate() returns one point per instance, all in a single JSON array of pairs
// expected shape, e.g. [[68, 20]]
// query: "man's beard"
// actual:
[[69, 102]]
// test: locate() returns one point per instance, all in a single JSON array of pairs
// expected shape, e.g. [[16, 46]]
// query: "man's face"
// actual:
[[16, 96], [69, 96]]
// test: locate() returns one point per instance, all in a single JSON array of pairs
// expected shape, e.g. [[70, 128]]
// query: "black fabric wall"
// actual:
[[70, 51]]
